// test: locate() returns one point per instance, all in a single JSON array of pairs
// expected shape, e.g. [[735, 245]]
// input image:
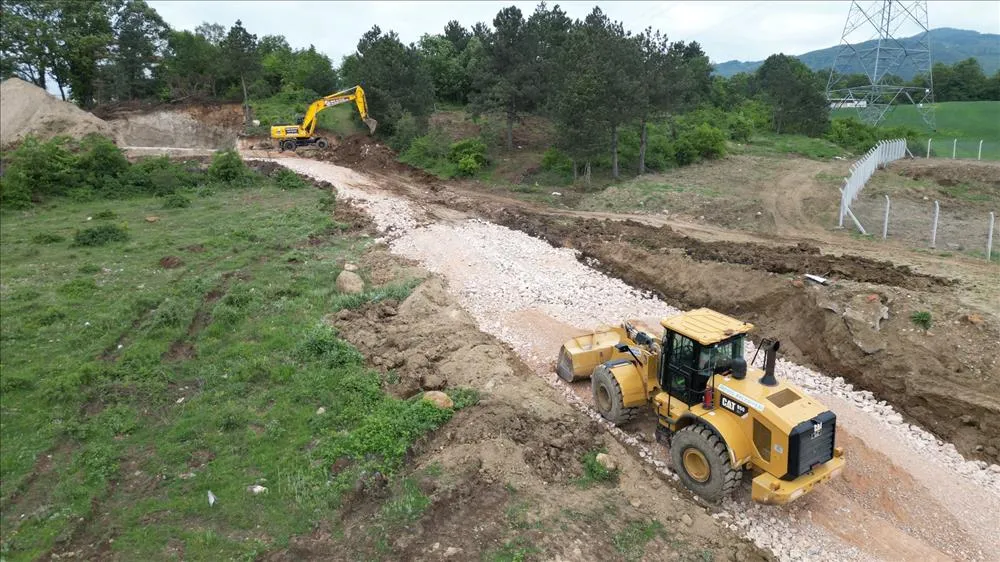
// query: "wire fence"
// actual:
[[960, 148], [952, 228]]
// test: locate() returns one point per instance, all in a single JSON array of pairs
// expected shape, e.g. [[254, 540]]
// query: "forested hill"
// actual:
[[948, 46]]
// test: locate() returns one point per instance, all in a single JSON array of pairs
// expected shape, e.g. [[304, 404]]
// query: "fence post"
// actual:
[[980, 156], [843, 196], [929, 148], [989, 239], [937, 211], [885, 221], [954, 147]]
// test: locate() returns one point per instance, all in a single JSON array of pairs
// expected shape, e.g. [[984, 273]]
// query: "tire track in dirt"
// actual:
[[819, 526]]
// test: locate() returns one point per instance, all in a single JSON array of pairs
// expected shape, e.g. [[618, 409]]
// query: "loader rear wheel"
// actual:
[[701, 460], [608, 397]]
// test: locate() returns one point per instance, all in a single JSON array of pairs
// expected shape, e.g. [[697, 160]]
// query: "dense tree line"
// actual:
[[608, 91], [106, 51]]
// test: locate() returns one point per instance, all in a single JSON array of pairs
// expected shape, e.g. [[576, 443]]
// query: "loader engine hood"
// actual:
[[801, 431]]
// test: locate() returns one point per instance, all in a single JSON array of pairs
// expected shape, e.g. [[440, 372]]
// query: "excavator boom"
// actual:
[[291, 136]]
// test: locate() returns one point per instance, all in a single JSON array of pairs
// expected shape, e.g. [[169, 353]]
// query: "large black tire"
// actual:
[[289, 145], [323, 144], [701, 460], [608, 397]]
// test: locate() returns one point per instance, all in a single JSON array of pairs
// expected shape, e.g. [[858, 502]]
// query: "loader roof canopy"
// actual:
[[705, 326]]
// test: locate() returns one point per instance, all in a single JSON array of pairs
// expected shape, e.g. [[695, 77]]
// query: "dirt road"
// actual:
[[904, 494]]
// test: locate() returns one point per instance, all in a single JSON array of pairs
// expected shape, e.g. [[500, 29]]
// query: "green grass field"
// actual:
[[969, 122], [130, 389]]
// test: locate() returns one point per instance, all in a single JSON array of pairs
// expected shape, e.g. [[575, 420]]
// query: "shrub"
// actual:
[[287, 179], [468, 148], [426, 151], [554, 160], [594, 472], [740, 128], [468, 165], [100, 162], [176, 201], [227, 167], [100, 235], [106, 215], [684, 152], [708, 141], [407, 129], [38, 169]]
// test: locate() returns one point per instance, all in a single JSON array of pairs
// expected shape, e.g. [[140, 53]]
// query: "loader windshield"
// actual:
[[716, 358]]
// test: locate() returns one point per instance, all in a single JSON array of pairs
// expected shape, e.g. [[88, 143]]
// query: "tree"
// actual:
[[506, 82], [451, 83], [600, 85], [794, 94], [84, 30], [189, 65], [140, 38], [394, 76], [457, 35], [239, 49], [27, 40]]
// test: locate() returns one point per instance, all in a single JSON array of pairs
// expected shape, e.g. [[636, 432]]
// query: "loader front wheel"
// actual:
[[608, 397], [701, 460]]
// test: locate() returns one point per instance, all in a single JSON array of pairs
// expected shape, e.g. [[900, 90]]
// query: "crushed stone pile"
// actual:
[[26, 109]]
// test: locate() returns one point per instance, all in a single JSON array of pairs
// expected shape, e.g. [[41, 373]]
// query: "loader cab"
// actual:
[[697, 345]]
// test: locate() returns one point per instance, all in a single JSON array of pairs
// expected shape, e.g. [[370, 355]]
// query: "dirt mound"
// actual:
[[30, 110], [362, 152], [948, 173]]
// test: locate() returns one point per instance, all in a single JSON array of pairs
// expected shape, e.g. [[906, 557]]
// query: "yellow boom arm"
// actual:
[[355, 94]]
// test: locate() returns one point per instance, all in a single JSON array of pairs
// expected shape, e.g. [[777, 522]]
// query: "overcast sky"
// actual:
[[726, 30]]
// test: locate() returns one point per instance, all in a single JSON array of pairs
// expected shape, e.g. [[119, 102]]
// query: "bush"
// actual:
[[740, 128], [227, 167], [176, 201], [100, 235], [554, 160], [101, 163], [38, 169], [707, 141], [287, 179], [407, 130], [106, 215], [468, 148], [859, 137], [594, 472], [427, 151]]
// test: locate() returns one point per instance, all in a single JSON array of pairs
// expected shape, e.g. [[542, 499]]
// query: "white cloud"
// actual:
[[726, 30]]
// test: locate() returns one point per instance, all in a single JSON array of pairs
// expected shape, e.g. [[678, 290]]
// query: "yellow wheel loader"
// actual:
[[718, 416], [290, 137]]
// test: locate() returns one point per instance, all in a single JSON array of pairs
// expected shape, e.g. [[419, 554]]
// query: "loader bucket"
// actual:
[[580, 355], [371, 124]]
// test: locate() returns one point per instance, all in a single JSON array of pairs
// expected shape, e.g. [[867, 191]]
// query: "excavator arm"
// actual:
[[355, 94]]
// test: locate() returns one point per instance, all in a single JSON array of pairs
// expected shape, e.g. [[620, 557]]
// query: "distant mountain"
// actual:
[[948, 45]]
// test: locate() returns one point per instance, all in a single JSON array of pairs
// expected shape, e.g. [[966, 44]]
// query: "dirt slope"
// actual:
[[504, 263], [30, 110]]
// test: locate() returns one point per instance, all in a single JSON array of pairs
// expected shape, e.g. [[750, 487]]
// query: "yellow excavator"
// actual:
[[290, 137], [717, 416]]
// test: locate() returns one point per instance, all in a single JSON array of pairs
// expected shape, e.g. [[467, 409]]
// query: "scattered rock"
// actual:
[[439, 399], [451, 551], [606, 461], [350, 283], [320, 411], [350, 267], [152, 218], [257, 489], [433, 381], [686, 519], [974, 319]]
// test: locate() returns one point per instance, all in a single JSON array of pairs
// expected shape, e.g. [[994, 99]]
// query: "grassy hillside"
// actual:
[[140, 375], [947, 45], [969, 122]]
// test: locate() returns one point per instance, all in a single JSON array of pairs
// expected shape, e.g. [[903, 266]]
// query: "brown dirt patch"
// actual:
[[949, 173], [183, 349], [195, 248], [170, 262]]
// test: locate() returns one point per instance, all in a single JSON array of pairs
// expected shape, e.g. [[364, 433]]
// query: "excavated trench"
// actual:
[[532, 295]]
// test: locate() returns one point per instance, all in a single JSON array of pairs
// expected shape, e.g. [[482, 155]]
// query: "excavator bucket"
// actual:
[[371, 124]]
